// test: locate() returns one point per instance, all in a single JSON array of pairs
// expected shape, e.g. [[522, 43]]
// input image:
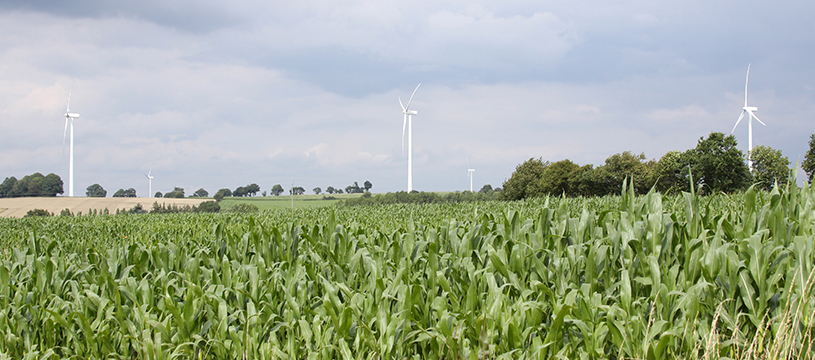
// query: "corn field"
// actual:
[[625, 277]]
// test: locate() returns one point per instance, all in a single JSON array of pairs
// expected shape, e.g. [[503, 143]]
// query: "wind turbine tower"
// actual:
[[470, 175], [750, 110], [409, 123], [69, 117], [149, 183]]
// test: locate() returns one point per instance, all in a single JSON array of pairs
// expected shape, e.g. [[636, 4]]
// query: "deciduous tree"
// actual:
[[769, 166], [95, 190]]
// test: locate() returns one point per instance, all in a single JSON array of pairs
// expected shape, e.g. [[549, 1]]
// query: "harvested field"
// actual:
[[17, 207]]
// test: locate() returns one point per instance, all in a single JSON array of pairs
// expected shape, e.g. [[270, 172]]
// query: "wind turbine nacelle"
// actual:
[[750, 108], [71, 115], [411, 112]]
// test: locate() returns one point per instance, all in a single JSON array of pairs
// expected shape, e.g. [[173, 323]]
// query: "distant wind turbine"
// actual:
[[470, 175], [149, 183], [750, 110], [69, 117], [409, 123]]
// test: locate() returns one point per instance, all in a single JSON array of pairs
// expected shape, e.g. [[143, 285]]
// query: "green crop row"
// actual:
[[645, 277]]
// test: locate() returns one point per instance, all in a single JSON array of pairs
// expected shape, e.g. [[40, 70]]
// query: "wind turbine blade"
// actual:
[[64, 134], [68, 109], [756, 117], [737, 121], [746, 81], [402, 105], [411, 96]]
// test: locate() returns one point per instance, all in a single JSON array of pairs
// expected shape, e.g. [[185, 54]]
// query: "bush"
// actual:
[[38, 212], [209, 207], [243, 208]]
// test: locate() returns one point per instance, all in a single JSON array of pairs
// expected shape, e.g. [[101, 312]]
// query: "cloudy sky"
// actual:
[[222, 94]]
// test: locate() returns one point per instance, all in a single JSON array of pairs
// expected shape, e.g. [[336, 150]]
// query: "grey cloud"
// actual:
[[192, 16]]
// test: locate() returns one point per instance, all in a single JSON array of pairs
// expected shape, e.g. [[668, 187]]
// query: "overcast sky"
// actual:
[[223, 94]]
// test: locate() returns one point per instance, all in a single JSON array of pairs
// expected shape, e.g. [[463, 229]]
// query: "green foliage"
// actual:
[[769, 167], [158, 194], [38, 212], [403, 197], [177, 193], [297, 190], [616, 277], [556, 178], [317, 190], [136, 209], [208, 207], [718, 165], [125, 193], [809, 159], [243, 208], [201, 193], [32, 185], [222, 193], [608, 179], [96, 190], [671, 174], [277, 190], [525, 180]]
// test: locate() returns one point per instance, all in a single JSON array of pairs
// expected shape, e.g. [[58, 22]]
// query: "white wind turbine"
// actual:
[[470, 175], [409, 123], [149, 183], [751, 111], [70, 116]]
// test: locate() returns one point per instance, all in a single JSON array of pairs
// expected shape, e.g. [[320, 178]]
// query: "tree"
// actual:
[[317, 190], [220, 194], [177, 192], [353, 189], [486, 189], [51, 185], [240, 192], [298, 190], [7, 186], [252, 189], [718, 164], [338, 191], [555, 178], [367, 185], [95, 190], [330, 190], [809, 159], [277, 190], [672, 172], [525, 180], [125, 193], [200, 193], [769, 166], [619, 167], [158, 194]]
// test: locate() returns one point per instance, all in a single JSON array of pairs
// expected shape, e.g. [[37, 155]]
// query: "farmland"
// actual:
[[648, 277]]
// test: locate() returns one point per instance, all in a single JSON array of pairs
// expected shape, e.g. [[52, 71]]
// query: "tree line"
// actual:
[[31, 185], [714, 165]]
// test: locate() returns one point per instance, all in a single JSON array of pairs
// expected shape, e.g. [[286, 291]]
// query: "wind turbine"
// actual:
[[70, 116], [751, 111], [149, 183], [470, 175], [409, 123]]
